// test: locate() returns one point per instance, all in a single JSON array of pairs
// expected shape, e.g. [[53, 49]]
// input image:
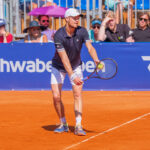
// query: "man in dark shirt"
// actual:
[[68, 42], [142, 32], [110, 31]]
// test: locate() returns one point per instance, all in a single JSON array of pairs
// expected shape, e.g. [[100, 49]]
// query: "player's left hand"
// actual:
[[97, 62]]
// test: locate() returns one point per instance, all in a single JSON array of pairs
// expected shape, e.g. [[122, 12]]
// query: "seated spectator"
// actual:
[[5, 37], [34, 33], [110, 31], [120, 5], [142, 32], [44, 21], [93, 34]]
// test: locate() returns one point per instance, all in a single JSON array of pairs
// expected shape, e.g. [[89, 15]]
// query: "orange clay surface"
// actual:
[[28, 118]]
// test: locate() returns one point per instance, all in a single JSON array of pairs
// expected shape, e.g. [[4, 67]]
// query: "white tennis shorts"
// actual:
[[58, 77]]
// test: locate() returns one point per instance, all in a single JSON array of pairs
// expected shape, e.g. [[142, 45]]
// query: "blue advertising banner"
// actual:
[[28, 66]]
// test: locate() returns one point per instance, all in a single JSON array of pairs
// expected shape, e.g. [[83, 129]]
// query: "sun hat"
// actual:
[[72, 12], [33, 24], [2, 22]]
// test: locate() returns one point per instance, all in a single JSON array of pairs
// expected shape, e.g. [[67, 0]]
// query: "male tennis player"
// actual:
[[68, 42]]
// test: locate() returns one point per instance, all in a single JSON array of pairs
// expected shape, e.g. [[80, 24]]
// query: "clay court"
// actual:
[[113, 121]]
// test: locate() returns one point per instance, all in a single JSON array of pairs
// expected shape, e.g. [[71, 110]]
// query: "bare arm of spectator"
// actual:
[[5, 39], [102, 35], [45, 40], [26, 39]]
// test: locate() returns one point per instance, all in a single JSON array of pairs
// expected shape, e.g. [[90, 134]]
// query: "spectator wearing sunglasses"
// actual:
[[34, 33], [44, 21], [110, 31], [142, 32], [95, 25]]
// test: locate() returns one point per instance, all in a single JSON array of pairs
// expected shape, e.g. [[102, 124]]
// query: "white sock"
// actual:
[[78, 120], [63, 120]]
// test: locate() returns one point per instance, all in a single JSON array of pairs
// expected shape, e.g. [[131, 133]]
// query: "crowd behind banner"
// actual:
[[126, 12], [107, 30]]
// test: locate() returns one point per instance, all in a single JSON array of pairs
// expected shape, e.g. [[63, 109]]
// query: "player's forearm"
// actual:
[[66, 62], [68, 67], [93, 54]]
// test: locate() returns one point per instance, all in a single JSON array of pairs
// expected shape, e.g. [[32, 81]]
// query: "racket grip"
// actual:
[[85, 78]]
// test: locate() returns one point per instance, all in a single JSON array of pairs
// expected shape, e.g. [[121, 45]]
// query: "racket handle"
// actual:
[[85, 78]]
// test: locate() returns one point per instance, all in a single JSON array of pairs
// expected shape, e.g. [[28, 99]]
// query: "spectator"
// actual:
[[5, 37], [118, 6], [34, 33], [44, 21], [93, 34], [110, 31], [142, 32]]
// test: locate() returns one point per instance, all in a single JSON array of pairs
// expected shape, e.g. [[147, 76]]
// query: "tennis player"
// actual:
[[68, 43]]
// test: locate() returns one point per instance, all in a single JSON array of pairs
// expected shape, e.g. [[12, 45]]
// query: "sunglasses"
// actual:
[[143, 19], [98, 27], [45, 21]]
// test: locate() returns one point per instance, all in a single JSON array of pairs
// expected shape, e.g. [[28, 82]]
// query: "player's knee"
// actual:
[[77, 95], [56, 98]]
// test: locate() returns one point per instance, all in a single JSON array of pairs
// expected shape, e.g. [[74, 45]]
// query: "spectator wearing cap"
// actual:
[[110, 31], [142, 32], [44, 21], [5, 37], [95, 25], [34, 33], [67, 60]]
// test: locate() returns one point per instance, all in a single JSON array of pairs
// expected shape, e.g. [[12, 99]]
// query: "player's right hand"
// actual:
[[78, 81], [106, 20]]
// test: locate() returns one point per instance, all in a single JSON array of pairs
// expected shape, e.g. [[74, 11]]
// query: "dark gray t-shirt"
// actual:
[[122, 33], [140, 35], [72, 46]]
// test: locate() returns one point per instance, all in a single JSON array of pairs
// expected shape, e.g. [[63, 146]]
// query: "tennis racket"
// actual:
[[108, 71]]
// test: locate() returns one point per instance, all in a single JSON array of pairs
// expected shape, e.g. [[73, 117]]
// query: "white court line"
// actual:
[[106, 131]]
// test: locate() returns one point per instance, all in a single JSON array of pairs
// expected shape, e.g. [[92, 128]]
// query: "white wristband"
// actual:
[[73, 76]]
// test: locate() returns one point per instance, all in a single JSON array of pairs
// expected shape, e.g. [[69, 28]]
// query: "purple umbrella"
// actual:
[[52, 11]]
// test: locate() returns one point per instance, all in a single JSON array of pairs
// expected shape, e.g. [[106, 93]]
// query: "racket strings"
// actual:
[[109, 69]]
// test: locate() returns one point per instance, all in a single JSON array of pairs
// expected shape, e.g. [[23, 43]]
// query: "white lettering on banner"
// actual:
[[30, 66], [146, 58], [88, 66], [36, 66], [21, 66], [17, 65]]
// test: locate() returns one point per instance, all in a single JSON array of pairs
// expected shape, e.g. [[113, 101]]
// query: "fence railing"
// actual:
[[16, 12]]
